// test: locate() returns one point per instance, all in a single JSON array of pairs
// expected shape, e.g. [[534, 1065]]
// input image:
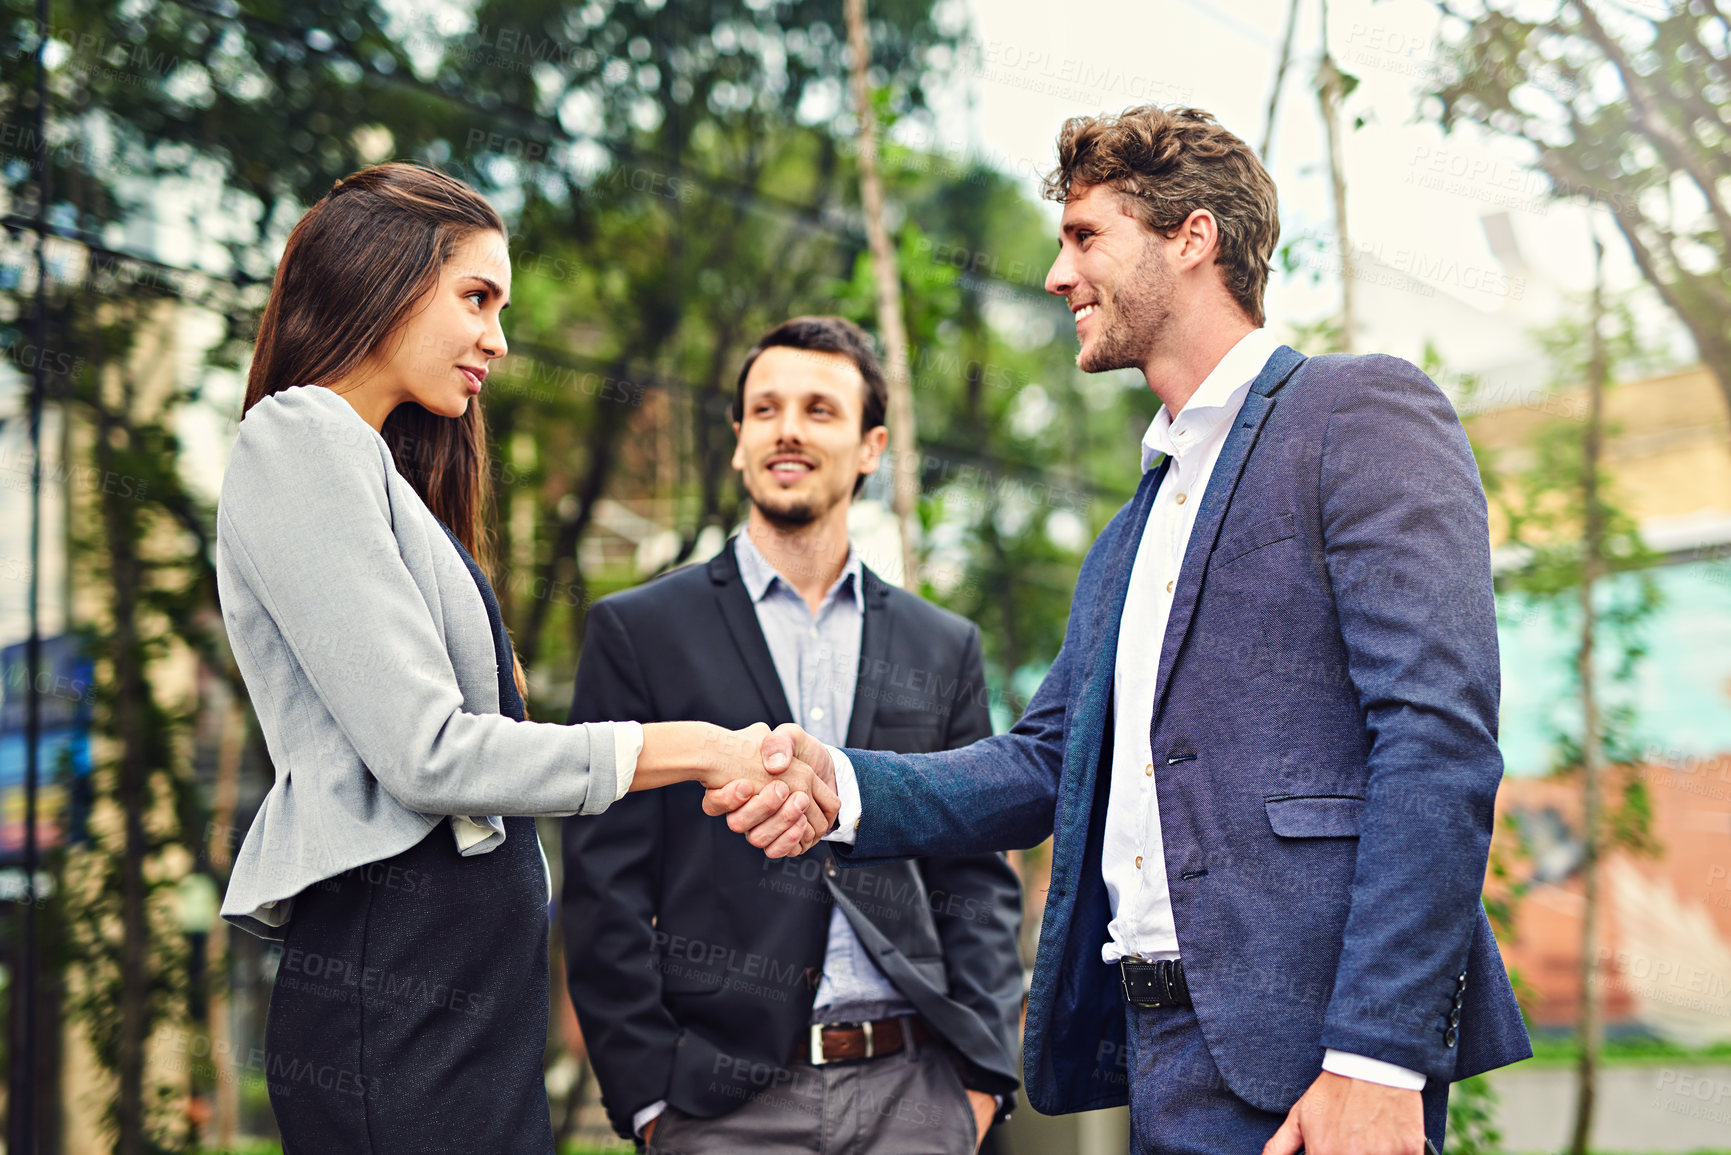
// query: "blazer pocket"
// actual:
[[1314, 816], [1277, 528]]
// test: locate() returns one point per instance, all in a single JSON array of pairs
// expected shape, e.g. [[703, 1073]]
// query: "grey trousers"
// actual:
[[908, 1103]]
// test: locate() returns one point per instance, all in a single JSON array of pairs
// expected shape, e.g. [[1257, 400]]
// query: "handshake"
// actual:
[[776, 787]]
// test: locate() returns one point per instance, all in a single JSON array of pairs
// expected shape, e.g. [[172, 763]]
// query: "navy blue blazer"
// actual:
[[1325, 725]]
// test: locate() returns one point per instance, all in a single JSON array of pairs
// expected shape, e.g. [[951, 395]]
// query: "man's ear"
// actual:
[[871, 449], [1198, 237], [738, 461]]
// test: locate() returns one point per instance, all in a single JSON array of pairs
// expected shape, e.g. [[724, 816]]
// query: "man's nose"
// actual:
[[1061, 277], [789, 426]]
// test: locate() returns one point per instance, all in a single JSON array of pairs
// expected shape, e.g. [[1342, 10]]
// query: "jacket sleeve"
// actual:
[[977, 905], [612, 879], [305, 521], [1407, 550], [999, 793]]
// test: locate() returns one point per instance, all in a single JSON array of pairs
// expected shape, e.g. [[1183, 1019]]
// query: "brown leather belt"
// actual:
[[852, 1042]]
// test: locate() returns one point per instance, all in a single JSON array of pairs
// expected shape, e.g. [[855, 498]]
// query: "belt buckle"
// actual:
[[817, 1059], [1156, 968], [817, 1029]]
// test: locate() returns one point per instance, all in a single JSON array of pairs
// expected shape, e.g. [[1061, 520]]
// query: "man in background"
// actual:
[[731, 1003]]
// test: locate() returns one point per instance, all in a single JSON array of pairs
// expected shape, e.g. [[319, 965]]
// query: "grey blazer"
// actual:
[[367, 653]]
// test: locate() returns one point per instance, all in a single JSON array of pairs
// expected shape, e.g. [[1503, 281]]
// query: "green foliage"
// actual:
[[1622, 105], [1472, 1128], [1544, 504]]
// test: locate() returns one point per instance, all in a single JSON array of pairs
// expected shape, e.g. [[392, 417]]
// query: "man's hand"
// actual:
[[765, 816], [985, 1110], [1341, 1116], [772, 791]]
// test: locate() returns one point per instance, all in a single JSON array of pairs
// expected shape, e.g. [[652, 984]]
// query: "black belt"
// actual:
[[1159, 983]]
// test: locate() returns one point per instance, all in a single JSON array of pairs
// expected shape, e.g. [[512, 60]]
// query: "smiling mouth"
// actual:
[[1085, 312], [786, 468], [475, 376]]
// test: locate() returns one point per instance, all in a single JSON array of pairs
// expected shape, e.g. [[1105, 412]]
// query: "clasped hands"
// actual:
[[776, 787]]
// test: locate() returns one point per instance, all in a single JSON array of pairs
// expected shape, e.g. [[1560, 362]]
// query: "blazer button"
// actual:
[[1450, 1036], [829, 868]]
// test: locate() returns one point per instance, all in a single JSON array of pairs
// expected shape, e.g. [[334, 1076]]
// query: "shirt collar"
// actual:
[[1215, 400], [759, 576]]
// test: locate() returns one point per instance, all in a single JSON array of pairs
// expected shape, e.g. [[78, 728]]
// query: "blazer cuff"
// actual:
[[647, 1116], [604, 776], [846, 827], [477, 834], [627, 746], [1352, 1066]]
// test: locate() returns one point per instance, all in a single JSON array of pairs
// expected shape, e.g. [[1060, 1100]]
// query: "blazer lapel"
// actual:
[[1222, 484], [874, 644], [734, 601], [1096, 693]]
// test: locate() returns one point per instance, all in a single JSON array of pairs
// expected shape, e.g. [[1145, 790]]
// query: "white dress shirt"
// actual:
[[1133, 862]]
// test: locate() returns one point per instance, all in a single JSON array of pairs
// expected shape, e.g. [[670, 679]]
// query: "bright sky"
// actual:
[[1415, 197]]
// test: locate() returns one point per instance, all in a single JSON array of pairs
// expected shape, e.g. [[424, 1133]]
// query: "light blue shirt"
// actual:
[[817, 660]]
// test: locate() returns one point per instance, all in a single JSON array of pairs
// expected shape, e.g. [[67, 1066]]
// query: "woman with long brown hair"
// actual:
[[395, 857]]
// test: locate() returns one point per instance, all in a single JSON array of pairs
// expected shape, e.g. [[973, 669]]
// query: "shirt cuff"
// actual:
[[627, 745], [477, 834], [647, 1116], [1352, 1066], [847, 786]]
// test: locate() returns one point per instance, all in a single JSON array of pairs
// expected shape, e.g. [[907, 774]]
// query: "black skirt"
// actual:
[[410, 1008]]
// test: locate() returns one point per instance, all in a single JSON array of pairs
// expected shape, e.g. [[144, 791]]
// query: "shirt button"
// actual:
[[1169, 587], [1149, 770], [816, 713], [1181, 499], [1138, 862]]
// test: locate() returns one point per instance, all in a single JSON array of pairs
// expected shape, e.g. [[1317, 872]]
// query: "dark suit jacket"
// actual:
[[1325, 727], [692, 959]]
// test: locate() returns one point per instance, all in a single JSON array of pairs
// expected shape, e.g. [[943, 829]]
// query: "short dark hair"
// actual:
[[826, 335], [1169, 163]]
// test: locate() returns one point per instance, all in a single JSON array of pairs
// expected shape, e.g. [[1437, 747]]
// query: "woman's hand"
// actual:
[[791, 798], [802, 798], [757, 812]]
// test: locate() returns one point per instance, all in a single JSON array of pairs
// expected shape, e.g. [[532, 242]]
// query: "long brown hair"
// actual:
[[354, 267]]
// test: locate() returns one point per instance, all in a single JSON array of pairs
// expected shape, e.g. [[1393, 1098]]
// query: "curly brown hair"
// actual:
[[1170, 163]]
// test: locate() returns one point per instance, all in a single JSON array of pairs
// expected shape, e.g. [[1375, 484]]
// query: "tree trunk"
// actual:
[[904, 445], [130, 722], [226, 1093], [1279, 80], [1329, 94], [1592, 752]]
